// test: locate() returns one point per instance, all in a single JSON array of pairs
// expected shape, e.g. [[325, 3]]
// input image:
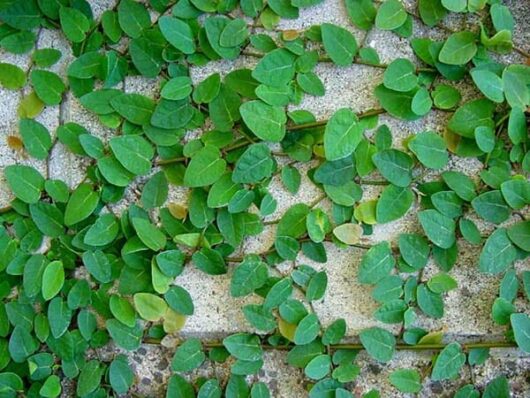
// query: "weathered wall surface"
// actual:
[[216, 313]]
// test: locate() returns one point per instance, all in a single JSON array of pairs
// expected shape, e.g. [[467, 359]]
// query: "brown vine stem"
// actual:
[[357, 346], [356, 61], [244, 141]]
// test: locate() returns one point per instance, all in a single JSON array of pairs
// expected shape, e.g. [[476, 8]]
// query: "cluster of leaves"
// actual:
[[75, 276]]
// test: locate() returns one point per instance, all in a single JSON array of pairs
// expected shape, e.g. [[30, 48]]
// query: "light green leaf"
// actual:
[[188, 356], [379, 343], [36, 138], [498, 253], [448, 363], [459, 48], [430, 149], [439, 229], [52, 280], [267, 122], [149, 306], [400, 75], [205, 168], [342, 135], [81, 204], [339, 44], [133, 152], [390, 15], [406, 380], [178, 33]]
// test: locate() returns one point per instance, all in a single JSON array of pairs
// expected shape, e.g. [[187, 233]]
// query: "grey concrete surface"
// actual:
[[216, 313]]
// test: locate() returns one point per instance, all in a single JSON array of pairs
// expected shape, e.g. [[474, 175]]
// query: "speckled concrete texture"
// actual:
[[467, 314]]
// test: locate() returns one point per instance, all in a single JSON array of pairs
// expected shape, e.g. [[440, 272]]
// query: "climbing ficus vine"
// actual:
[[76, 274]]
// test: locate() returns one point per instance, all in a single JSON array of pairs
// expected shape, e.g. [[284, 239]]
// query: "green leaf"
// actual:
[[48, 86], [149, 234], [248, 276], [51, 387], [11, 76], [448, 363], [267, 122], [276, 68], [244, 346], [521, 330], [155, 191], [439, 229], [485, 137], [335, 332], [514, 79], [208, 89], [121, 376], [133, 18], [348, 233], [36, 138], [52, 280], [421, 102], [125, 337], [21, 15], [307, 330], [376, 263], [48, 218], [89, 378], [214, 27], [342, 135], [135, 108], [177, 88], [395, 166], [519, 234], [431, 11], [390, 15], [21, 344], [498, 253], [379, 343], [455, 5], [491, 207], [205, 168], [98, 265], [255, 164], [178, 33], [123, 310], [414, 249], [234, 33], [362, 13], [188, 356], [318, 367], [471, 115], [398, 104], [133, 152], [516, 192], [393, 203], [459, 48], [339, 44], [489, 84], [149, 306], [400, 75], [445, 97], [461, 184], [104, 230], [60, 316], [430, 149], [441, 283], [429, 302], [497, 388], [82, 203], [179, 300], [406, 380], [74, 24]]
